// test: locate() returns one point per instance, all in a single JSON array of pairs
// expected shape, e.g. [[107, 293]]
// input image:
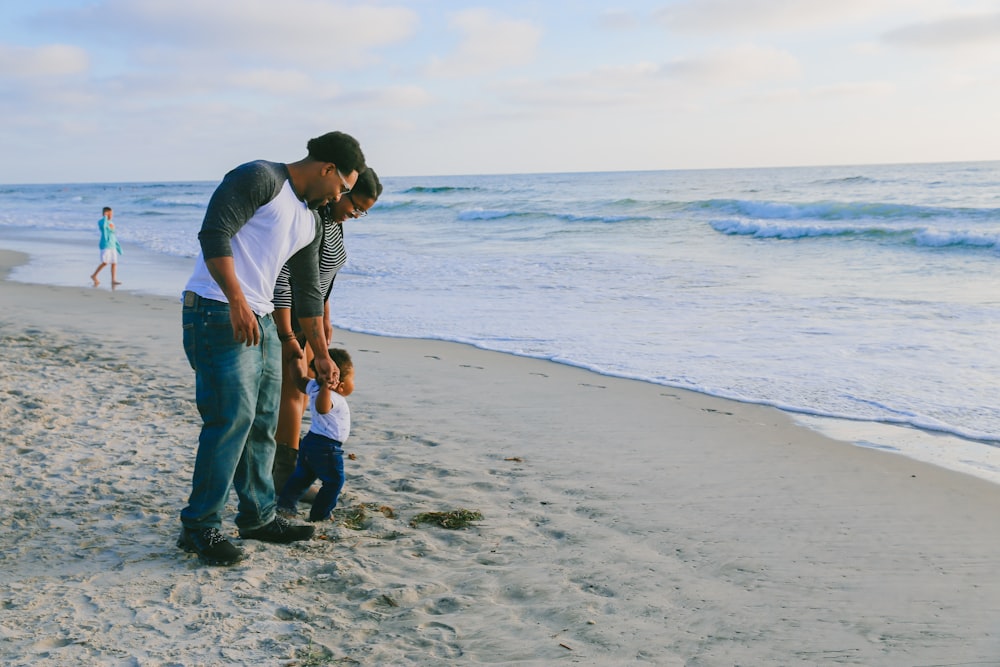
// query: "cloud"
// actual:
[[673, 84], [608, 86], [617, 19], [866, 89], [55, 60], [970, 30], [292, 31], [273, 81], [754, 15], [845, 91], [489, 42], [737, 65], [391, 97]]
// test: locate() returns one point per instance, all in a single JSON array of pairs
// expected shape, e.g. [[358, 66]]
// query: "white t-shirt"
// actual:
[[336, 423], [268, 224]]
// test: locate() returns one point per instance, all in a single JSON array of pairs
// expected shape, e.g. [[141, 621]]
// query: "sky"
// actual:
[[177, 90]]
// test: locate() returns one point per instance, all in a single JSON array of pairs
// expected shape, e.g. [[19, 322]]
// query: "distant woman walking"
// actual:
[[110, 248]]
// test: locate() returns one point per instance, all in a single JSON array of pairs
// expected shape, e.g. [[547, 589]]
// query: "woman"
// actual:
[[354, 204]]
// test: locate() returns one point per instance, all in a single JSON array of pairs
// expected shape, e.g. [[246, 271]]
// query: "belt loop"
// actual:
[[190, 299]]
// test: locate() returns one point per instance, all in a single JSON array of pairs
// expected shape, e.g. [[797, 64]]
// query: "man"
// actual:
[[261, 216]]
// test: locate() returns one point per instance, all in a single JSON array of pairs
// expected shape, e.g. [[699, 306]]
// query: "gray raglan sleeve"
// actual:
[[242, 191], [304, 269]]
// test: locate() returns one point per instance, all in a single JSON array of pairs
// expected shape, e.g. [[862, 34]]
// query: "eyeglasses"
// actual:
[[344, 187], [357, 212]]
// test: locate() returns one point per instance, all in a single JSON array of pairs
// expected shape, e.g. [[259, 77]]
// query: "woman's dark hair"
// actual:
[[368, 184]]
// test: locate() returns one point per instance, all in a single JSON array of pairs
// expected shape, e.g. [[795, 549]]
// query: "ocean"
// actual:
[[864, 300]]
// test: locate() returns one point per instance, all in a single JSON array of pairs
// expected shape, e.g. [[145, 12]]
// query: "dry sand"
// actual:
[[623, 522]]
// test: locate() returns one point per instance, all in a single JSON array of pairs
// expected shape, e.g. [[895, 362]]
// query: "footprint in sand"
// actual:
[[594, 589], [50, 643], [441, 606], [443, 639], [188, 595], [478, 368]]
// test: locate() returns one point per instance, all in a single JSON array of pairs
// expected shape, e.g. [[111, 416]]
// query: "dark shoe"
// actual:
[[210, 545], [284, 465], [279, 531]]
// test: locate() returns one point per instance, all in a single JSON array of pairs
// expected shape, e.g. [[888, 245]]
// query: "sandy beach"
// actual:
[[623, 522]]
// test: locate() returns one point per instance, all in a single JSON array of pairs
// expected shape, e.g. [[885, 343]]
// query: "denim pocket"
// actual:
[[207, 330], [216, 330]]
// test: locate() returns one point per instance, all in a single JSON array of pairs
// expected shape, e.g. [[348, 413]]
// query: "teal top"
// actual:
[[108, 238]]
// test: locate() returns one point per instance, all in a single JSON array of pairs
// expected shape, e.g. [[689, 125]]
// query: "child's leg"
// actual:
[[114, 273], [299, 481], [332, 475], [93, 276]]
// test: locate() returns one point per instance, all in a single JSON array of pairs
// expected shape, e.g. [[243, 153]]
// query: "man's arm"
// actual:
[[242, 191], [308, 298], [327, 372]]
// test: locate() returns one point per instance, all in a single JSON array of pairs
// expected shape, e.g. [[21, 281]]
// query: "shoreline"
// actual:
[[624, 522], [45, 261]]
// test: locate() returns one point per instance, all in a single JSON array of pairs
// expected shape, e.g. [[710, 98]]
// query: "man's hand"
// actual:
[[326, 371], [245, 326]]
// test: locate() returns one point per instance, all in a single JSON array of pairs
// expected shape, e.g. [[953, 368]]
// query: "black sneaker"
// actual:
[[280, 531], [210, 545]]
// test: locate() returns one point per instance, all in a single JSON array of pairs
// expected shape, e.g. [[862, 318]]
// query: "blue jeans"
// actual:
[[237, 389], [319, 457]]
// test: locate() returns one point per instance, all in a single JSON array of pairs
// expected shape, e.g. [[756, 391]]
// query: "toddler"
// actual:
[[321, 451]]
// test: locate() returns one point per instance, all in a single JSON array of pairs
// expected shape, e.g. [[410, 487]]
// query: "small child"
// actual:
[[321, 453], [110, 248]]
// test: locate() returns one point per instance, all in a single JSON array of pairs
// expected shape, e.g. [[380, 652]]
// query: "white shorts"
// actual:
[[109, 256]]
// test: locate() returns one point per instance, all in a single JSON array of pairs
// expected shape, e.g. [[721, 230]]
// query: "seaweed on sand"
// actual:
[[452, 520]]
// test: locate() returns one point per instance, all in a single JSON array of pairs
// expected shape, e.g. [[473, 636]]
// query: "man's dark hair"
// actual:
[[368, 184], [339, 148]]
